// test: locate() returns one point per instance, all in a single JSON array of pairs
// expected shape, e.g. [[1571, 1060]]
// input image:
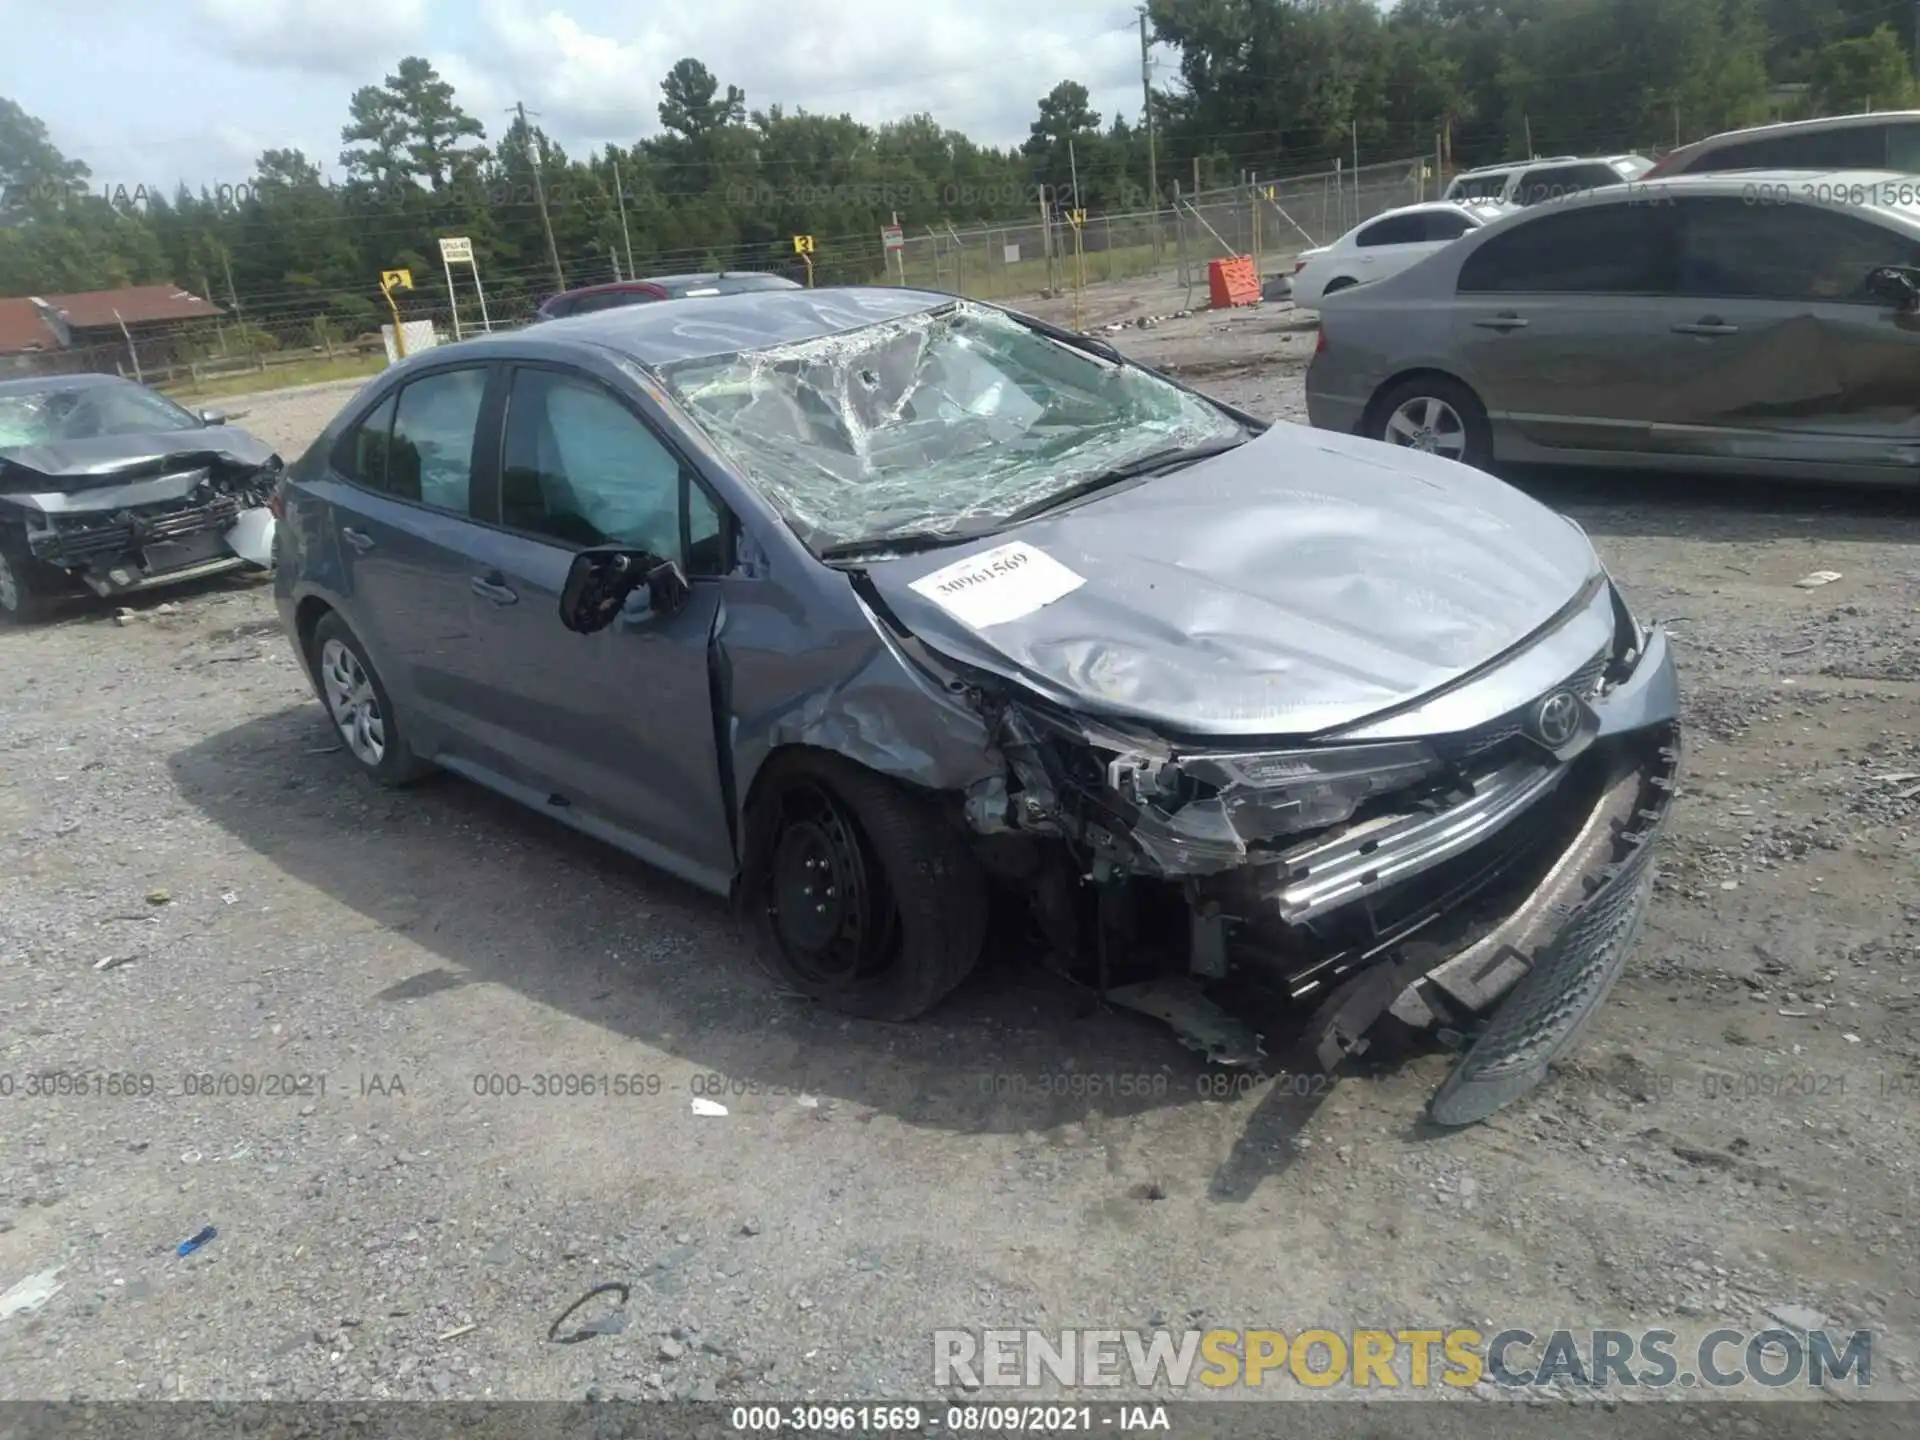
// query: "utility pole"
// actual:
[[1146, 90], [1073, 169], [540, 194], [233, 295], [620, 196]]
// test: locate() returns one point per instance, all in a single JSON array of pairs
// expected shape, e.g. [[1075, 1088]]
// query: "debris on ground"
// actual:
[[1817, 579], [195, 1241], [31, 1293]]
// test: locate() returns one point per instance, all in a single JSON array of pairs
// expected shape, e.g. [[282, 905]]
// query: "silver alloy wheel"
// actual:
[[353, 703], [1424, 423], [9, 587]]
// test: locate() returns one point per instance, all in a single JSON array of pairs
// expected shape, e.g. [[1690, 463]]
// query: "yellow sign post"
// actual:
[[803, 247], [1078, 219], [390, 281]]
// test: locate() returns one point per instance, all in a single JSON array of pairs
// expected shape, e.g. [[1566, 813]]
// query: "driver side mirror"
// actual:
[[1898, 285], [213, 417], [601, 580]]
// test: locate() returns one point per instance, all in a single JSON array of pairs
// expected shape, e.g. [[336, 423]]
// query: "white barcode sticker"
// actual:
[[998, 585]]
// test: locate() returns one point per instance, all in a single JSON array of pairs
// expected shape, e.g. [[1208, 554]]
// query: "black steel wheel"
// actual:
[[830, 913], [866, 897]]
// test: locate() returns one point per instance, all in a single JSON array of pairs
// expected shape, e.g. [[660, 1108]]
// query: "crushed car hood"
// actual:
[[1301, 582], [72, 465]]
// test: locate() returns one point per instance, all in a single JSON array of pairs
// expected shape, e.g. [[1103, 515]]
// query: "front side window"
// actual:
[[1591, 250], [1728, 248], [583, 469], [935, 422], [1442, 226]]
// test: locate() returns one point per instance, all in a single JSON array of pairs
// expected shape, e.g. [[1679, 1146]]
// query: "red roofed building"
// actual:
[[84, 331]]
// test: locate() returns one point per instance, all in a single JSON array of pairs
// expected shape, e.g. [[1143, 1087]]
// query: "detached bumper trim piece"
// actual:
[[1581, 924]]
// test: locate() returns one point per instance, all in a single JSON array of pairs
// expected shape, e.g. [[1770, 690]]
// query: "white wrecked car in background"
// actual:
[[108, 486]]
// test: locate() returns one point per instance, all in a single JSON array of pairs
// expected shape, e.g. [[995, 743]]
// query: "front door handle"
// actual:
[[1505, 320], [494, 588], [358, 539], [1707, 325]]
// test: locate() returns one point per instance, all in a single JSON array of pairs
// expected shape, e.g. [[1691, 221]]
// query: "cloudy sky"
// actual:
[[158, 91]]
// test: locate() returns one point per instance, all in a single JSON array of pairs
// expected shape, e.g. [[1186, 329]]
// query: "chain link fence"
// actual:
[[1271, 220]]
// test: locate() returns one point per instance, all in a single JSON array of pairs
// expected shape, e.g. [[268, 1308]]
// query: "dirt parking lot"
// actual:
[[198, 895]]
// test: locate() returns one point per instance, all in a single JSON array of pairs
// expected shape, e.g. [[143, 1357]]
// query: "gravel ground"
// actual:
[[195, 884]]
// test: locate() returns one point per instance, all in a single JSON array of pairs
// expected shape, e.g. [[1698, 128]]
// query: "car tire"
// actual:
[[1437, 410], [358, 706], [26, 584], [1338, 283], [864, 895]]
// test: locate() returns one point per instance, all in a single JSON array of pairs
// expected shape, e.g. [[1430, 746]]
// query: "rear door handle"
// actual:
[[1501, 322], [1707, 325], [493, 588], [358, 539]]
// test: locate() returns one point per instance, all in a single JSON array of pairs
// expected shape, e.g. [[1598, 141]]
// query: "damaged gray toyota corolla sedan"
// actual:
[[871, 607], [108, 486]]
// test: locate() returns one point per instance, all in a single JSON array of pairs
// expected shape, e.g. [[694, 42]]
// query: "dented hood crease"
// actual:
[[1302, 582]]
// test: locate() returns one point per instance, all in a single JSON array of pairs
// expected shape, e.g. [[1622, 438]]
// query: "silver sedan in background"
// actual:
[[1756, 323]]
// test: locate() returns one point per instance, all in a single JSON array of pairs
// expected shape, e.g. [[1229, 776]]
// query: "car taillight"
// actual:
[[1299, 265], [1660, 167], [1320, 344], [275, 506]]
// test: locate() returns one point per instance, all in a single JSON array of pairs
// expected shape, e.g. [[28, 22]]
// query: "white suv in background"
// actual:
[[1554, 177]]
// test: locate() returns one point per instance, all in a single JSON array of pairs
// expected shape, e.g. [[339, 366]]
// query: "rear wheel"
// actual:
[[1436, 414], [358, 704], [1339, 282], [864, 895]]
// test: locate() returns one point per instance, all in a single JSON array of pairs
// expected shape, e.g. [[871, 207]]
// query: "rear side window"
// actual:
[[419, 445], [1592, 250], [1394, 230], [1858, 147], [361, 455], [1480, 187], [1730, 249]]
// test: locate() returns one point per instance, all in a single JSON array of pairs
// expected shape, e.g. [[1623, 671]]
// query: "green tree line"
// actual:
[[1267, 87]]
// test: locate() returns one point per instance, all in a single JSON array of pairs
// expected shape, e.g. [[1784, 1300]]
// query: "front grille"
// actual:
[[1466, 744], [74, 543]]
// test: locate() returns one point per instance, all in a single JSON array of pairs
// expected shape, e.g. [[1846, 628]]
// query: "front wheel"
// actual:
[[1435, 414], [25, 584], [865, 897]]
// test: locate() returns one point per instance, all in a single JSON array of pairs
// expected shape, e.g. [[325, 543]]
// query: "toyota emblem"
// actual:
[[1557, 720]]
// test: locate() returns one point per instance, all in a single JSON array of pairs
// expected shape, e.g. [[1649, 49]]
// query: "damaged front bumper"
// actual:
[[125, 541], [1485, 885]]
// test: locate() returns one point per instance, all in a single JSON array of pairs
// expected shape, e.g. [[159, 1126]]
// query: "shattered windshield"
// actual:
[[931, 423], [86, 412]]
